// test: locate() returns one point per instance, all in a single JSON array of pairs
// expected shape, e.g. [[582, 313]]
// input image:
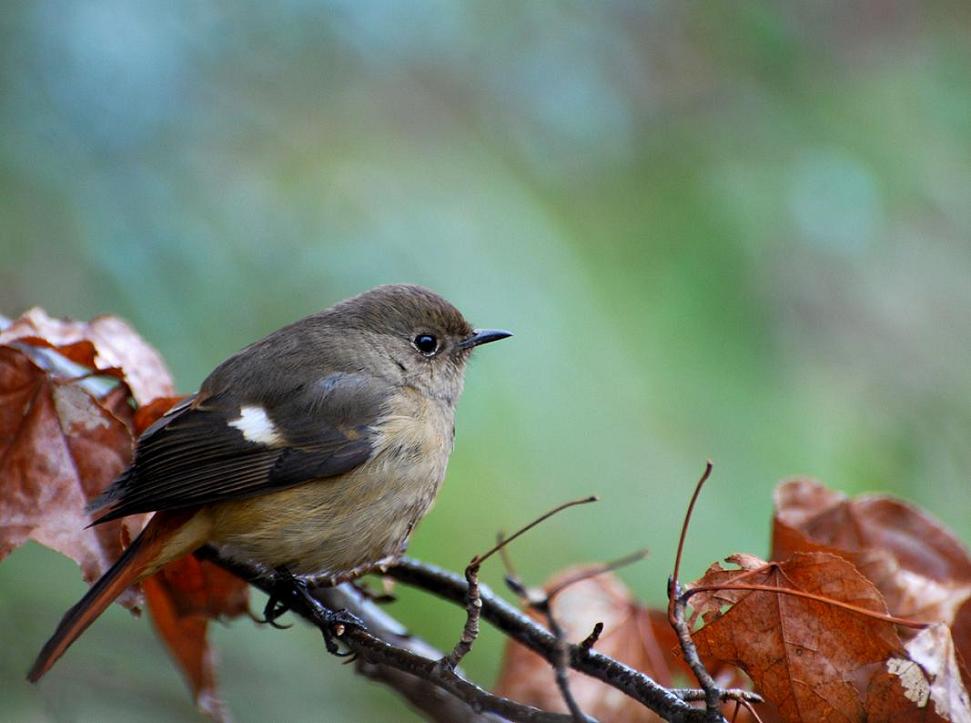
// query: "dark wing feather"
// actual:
[[194, 456]]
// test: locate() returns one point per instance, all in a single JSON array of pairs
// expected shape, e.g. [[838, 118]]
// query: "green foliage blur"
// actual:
[[726, 230]]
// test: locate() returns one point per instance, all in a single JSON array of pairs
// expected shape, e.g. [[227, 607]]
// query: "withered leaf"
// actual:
[[810, 658], [639, 637], [628, 636], [64, 437], [924, 685], [933, 649], [182, 597], [58, 449], [147, 414], [921, 568], [117, 346]]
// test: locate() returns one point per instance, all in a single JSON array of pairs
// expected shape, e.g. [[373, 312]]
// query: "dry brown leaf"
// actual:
[[924, 685], [933, 649], [182, 597], [812, 659], [628, 637], [708, 605], [961, 632], [64, 436], [117, 345], [636, 636], [922, 569], [59, 447]]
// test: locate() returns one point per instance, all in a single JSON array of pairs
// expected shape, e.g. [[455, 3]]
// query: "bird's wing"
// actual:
[[216, 448]]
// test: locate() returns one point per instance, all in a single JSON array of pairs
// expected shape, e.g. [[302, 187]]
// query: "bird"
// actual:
[[313, 451]]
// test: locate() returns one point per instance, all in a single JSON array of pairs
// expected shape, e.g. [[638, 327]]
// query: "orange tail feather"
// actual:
[[135, 563]]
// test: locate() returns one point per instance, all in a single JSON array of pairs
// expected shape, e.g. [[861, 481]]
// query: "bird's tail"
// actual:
[[139, 559]]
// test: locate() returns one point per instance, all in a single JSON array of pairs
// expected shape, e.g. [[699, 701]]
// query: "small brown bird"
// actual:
[[315, 450]]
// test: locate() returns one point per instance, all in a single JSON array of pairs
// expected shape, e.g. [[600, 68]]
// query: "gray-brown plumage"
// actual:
[[316, 449]]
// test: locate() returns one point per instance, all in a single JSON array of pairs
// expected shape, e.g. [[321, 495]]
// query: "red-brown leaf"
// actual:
[[628, 636], [147, 414], [181, 598], [924, 685], [117, 346], [812, 659], [59, 447], [921, 567], [639, 637]]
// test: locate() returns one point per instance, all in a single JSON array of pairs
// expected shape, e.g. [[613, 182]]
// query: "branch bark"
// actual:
[[387, 654], [418, 672], [521, 628]]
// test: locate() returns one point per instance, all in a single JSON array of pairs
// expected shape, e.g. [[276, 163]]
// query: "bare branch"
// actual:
[[541, 601], [473, 604], [677, 602], [691, 657], [676, 574], [521, 628], [591, 640], [598, 570], [425, 673], [473, 609], [435, 703], [384, 652], [503, 541]]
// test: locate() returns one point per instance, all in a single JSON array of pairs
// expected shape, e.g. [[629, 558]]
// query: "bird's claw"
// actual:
[[333, 624], [289, 590], [275, 607]]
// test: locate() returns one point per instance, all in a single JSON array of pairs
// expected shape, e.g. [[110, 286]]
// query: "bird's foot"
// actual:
[[291, 592], [279, 602]]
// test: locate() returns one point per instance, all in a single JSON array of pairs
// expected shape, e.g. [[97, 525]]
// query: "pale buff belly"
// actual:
[[342, 525]]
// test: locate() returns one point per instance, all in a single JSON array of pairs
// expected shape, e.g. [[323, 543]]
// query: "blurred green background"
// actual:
[[726, 230]]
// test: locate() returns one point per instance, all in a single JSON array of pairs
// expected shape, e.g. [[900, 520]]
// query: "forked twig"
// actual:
[[595, 570], [678, 621], [473, 601], [542, 602]]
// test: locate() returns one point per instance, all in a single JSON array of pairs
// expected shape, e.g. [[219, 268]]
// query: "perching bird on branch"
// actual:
[[313, 451]]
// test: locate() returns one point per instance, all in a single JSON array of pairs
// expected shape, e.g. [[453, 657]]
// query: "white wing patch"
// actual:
[[256, 426]]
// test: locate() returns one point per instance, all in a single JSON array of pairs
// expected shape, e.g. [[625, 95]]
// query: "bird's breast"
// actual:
[[335, 525]]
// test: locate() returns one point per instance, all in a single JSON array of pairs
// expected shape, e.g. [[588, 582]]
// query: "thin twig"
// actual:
[[727, 695], [542, 518], [541, 601], [676, 574], [751, 709], [473, 605], [595, 570], [473, 609], [436, 704], [676, 614], [591, 640], [561, 666], [691, 657], [374, 650], [524, 630]]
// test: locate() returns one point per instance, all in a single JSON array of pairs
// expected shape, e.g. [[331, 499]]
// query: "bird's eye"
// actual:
[[427, 344]]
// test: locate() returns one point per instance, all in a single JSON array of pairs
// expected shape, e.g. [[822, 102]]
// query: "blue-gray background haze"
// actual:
[[726, 230]]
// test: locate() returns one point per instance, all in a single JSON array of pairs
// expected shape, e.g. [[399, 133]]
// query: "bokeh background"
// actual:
[[726, 230]]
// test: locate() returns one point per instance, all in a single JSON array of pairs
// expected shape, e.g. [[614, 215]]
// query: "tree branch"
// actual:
[[521, 628], [385, 652], [402, 663]]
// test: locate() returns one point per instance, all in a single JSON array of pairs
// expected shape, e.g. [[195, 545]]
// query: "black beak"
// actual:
[[483, 336]]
